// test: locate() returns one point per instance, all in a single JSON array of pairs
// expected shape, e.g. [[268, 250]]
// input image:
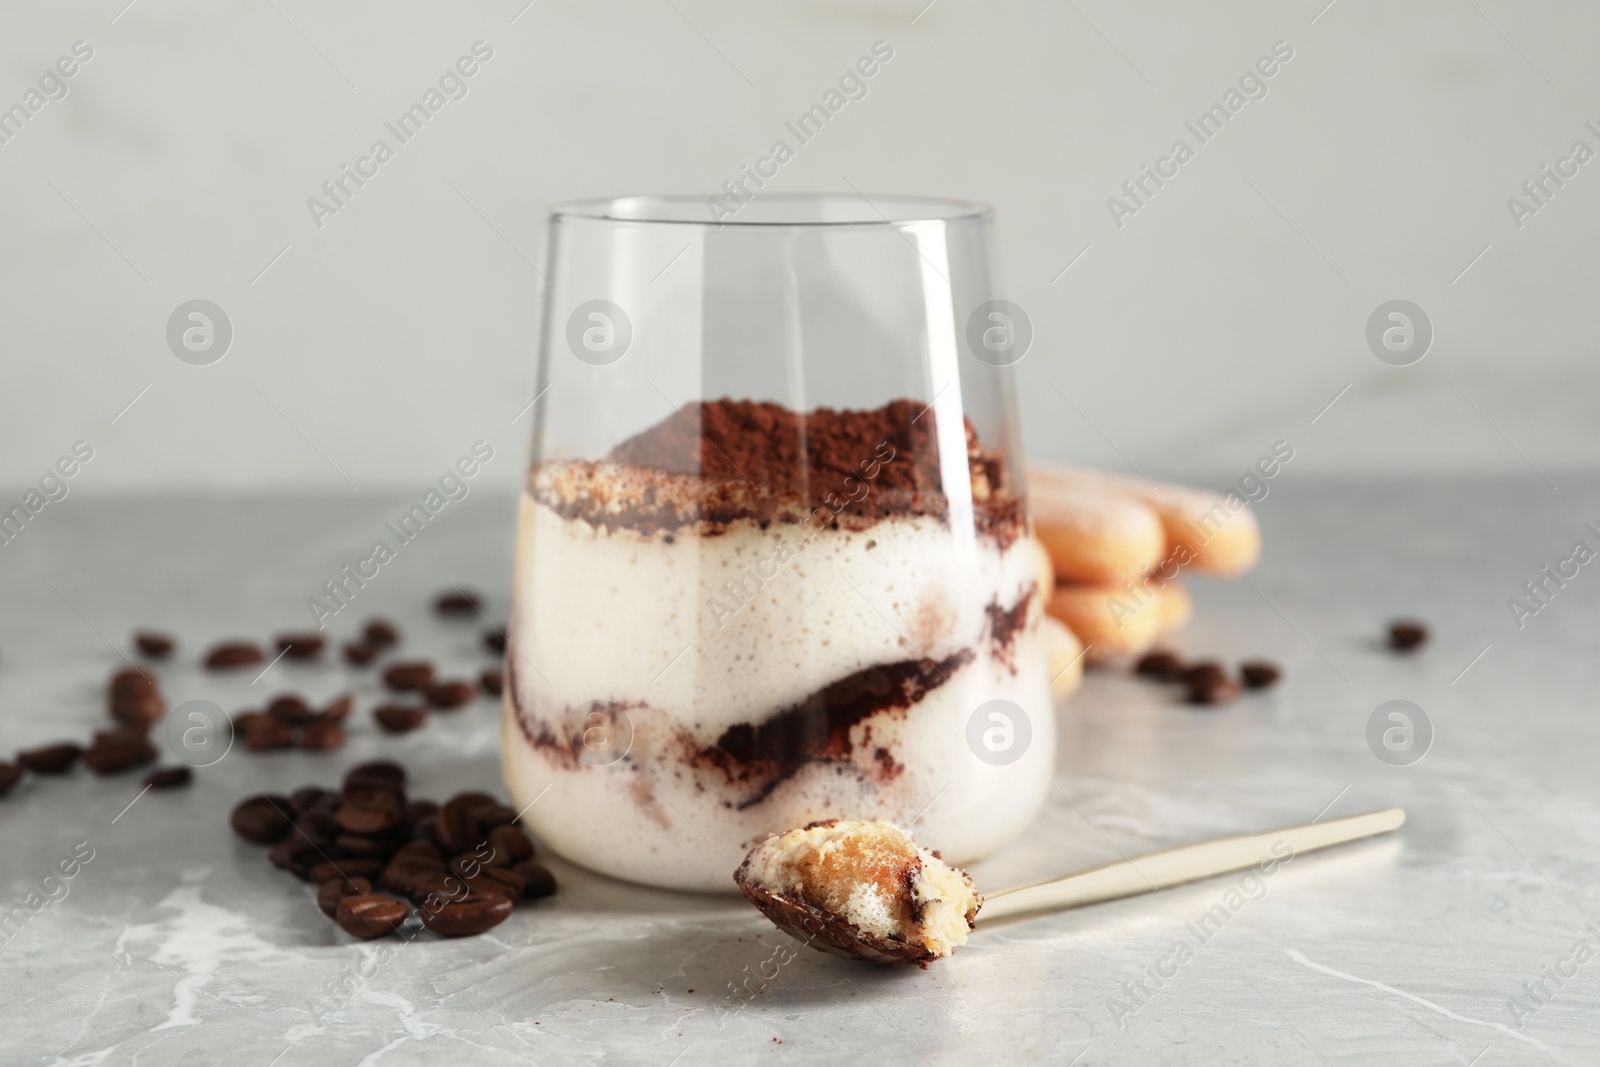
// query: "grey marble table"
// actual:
[[178, 943]]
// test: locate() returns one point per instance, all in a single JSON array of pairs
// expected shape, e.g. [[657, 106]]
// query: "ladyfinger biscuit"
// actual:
[[1093, 533], [1115, 620], [1211, 533], [1105, 620], [1065, 654]]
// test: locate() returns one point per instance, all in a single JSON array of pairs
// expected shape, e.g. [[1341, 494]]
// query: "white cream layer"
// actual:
[[623, 617]]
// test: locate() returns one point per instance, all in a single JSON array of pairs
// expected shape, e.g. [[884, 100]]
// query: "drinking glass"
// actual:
[[773, 562]]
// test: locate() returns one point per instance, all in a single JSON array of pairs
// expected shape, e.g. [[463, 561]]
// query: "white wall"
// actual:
[[1206, 327]]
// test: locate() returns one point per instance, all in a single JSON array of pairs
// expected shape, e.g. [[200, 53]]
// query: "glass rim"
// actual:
[[776, 210]]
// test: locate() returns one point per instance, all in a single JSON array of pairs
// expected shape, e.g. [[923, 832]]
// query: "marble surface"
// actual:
[[178, 943]]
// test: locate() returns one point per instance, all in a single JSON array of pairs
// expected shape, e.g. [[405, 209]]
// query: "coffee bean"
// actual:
[[319, 825], [1407, 635], [538, 879], [381, 633], [421, 850], [468, 864], [359, 846], [495, 640], [169, 778], [369, 819], [409, 676], [313, 798], [420, 809], [300, 646], [262, 818], [332, 891], [498, 881], [415, 877], [154, 645], [1212, 690], [51, 759], [310, 843], [138, 708], [456, 828], [233, 654], [133, 697], [378, 795], [10, 775], [451, 694], [1259, 674], [473, 914], [321, 735], [492, 681], [360, 654], [433, 888], [296, 855], [511, 845], [370, 915], [396, 877], [338, 709], [267, 734], [116, 751], [349, 867], [130, 680], [290, 709], [474, 800], [494, 815], [245, 721], [399, 718], [380, 772], [1160, 666], [458, 602], [1206, 671]]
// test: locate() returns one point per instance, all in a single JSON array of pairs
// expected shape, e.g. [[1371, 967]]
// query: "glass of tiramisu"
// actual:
[[773, 557]]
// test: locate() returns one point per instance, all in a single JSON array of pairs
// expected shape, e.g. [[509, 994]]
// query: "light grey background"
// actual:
[[1225, 315]]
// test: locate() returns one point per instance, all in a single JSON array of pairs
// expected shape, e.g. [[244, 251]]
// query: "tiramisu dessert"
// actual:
[[746, 618], [861, 889]]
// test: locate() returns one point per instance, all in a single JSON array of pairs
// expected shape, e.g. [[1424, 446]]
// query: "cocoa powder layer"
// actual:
[[718, 462]]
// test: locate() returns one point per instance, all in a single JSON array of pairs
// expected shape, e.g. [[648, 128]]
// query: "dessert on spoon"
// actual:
[[866, 890], [863, 889]]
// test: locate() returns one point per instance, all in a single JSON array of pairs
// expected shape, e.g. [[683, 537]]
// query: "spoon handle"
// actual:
[[1175, 866]]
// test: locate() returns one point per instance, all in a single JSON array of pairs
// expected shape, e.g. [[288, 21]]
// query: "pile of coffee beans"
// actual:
[[377, 858], [1207, 682]]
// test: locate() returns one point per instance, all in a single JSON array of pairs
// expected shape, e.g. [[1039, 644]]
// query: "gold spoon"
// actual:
[[832, 933]]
